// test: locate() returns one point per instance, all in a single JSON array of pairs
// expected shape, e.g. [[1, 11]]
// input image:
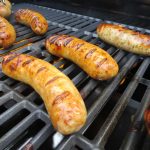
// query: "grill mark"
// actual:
[[101, 62], [12, 67], [53, 39], [67, 41], [60, 98], [60, 40], [78, 46], [29, 14], [2, 25], [41, 69], [4, 36], [37, 23], [52, 80], [10, 57], [21, 11], [89, 54], [34, 19], [27, 62], [66, 121], [65, 37], [57, 43], [18, 61]]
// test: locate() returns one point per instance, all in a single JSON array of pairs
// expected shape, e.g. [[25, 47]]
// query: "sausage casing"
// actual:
[[93, 60], [62, 100], [33, 19], [7, 33], [124, 38]]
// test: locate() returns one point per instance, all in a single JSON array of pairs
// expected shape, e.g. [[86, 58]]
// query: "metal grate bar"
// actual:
[[45, 132], [5, 140], [88, 88], [12, 111], [69, 69], [105, 131], [86, 144], [9, 96], [132, 138], [79, 77], [89, 27]]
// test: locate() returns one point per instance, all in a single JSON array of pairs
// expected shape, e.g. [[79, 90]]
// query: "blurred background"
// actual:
[[134, 11]]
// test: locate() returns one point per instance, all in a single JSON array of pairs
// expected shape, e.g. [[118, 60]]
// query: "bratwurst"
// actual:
[[93, 60], [33, 19], [125, 39], [62, 100], [7, 33]]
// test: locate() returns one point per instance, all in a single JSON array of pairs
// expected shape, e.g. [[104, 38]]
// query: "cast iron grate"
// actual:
[[106, 101]]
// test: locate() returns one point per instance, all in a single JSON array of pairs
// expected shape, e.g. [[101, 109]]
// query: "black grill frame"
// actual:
[[106, 89]]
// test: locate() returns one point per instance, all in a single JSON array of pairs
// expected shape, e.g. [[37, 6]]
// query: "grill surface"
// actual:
[[24, 122]]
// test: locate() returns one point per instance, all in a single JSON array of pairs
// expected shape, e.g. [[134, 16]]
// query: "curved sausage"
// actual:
[[7, 33], [33, 19], [125, 39], [62, 100], [93, 60]]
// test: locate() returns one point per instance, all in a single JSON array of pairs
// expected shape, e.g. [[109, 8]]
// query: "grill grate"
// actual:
[[115, 95]]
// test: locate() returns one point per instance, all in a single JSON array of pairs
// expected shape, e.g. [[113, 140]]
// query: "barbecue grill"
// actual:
[[115, 107]]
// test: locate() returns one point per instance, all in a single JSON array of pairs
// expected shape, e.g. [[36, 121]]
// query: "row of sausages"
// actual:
[[113, 34]]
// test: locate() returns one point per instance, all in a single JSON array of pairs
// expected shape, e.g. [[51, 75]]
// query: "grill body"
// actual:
[[115, 107]]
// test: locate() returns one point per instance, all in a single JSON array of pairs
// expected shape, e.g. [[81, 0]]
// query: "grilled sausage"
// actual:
[[7, 33], [147, 118], [62, 100], [125, 39], [33, 19], [93, 60], [5, 9]]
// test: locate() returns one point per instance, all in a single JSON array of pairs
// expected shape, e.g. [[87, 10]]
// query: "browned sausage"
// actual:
[[147, 118], [33, 19], [124, 38], [62, 100], [93, 60], [5, 9], [7, 33]]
